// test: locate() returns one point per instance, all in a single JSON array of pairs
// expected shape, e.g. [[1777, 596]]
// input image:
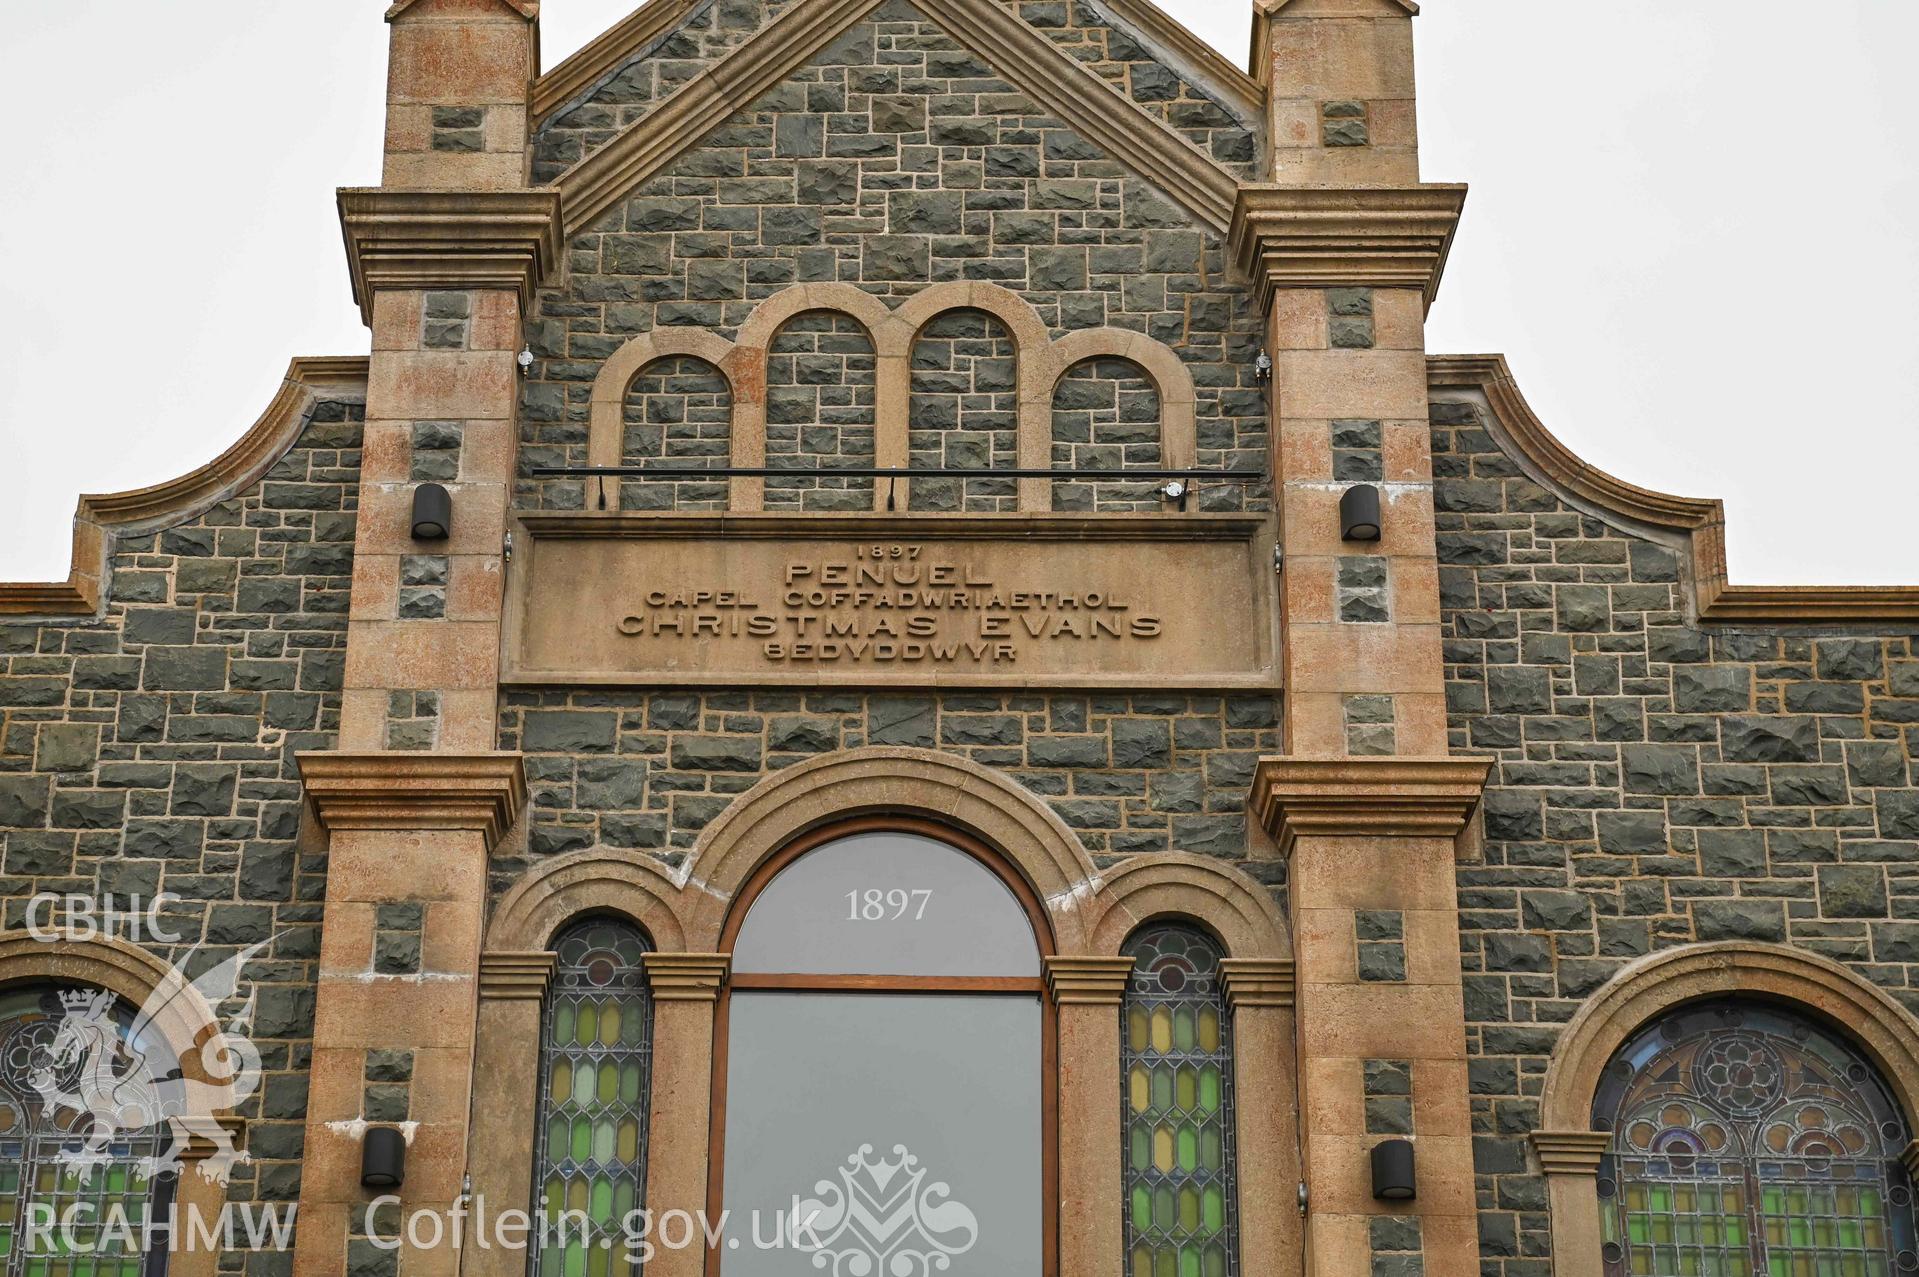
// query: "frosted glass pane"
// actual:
[[887, 904], [814, 1078]]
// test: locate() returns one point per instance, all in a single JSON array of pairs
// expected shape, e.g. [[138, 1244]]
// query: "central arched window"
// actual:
[[1750, 1142], [52, 1053], [886, 1055]]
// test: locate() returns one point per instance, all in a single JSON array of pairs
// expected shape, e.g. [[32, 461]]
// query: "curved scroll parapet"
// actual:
[[1699, 522], [102, 518]]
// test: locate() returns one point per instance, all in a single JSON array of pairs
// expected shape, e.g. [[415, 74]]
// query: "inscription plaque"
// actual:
[[917, 600]]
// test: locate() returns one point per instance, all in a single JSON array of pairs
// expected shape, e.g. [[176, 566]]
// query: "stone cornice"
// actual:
[[1570, 1152], [402, 239], [686, 977], [102, 518], [1345, 236], [1027, 59], [1258, 982], [406, 790], [618, 45], [516, 977], [1367, 797], [1086, 981], [1697, 524]]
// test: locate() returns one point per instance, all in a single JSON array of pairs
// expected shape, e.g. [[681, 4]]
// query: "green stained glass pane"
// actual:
[[603, 1134], [1189, 1261], [1142, 1214], [609, 1090], [562, 1029], [1163, 1087], [1213, 1264], [1165, 1214], [630, 1079], [1209, 1088], [1212, 1212], [1211, 1148], [1186, 1088], [1183, 1033], [576, 1259], [1139, 1141], [601, 1212], [1166, 1262], [1188, 1148]]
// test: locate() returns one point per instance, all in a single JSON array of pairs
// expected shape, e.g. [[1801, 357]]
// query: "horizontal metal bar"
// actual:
[[880, 472]]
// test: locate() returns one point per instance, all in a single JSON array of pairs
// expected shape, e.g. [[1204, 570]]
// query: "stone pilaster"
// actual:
[[1260, 997], [1381, 1016], [394, 1026], [1088, 993], [458, 76], [506, 1069], [686, 990]]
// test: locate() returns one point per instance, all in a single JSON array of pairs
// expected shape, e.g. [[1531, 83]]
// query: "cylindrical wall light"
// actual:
[[432, 512], [1393, 1179], [1359, 513], [382, 1157]]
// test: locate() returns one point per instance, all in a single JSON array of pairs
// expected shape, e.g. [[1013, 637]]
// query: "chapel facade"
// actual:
[[899, 654]]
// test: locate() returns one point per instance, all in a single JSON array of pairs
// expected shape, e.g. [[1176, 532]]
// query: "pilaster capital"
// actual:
[[199, 1147], [455, 240], [1257, 982], [1084, 981], [1570, 1152], [515, 976], [686, 977], [395, 789], [1345, 236], [1393, 796]]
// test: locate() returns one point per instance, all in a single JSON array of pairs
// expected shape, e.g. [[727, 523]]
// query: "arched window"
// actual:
[[595, 1073], [1749, 1141], [886, 1059], [46, 1050], [1178, 1066]]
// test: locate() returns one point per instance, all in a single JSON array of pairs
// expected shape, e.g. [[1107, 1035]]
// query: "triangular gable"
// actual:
[[528, 9], [1022, 56]]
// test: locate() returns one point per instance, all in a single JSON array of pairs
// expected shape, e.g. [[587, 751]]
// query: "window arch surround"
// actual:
[[1029, 903], [1569, 1150], [132, 975]]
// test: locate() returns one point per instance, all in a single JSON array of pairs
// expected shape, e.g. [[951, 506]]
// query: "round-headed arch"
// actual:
[[1648, 988], [599, 880], [1216, 897]]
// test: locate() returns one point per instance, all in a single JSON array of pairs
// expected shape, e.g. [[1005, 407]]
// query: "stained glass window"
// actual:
[[1751, 1143], [594, 1077], [111, 1188], [1178, 1109]]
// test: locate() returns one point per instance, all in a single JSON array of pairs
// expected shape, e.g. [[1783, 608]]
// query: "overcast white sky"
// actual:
[[1691, 230]]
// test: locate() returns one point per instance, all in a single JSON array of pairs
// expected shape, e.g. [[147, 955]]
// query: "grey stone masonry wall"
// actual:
[[965, 412], [894, 160], [654, 74], [1656, 783], [649, 770], [1131, 67], [1106, 417], [821, 388], [153, 751], [679, 412]]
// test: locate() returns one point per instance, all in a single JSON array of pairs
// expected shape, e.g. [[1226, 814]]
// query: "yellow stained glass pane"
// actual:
[[1208, 1029], [1162, 1030], [1163, 1148], [1138, 1028], [1186, 1091], [1139, 1088], [610, 1023], [561, 1084]]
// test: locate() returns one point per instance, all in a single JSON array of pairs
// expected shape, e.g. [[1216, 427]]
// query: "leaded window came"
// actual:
[[1178, 1109], [595, 1074], [1748, 1142]]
